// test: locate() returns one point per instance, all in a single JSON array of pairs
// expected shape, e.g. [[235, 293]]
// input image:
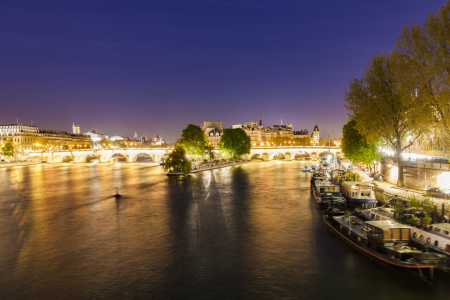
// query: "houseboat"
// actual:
[[328, 194], [318, 174], [359, 193], [436, 236], [387, 242]]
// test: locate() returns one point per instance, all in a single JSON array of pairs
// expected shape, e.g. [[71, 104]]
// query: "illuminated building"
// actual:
[[315, 136], [24, 136], [213, 130], [95, 136]]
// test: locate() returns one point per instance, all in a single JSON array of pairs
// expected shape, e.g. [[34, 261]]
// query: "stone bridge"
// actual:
[[103, 155], [131, 155], [289, 153]]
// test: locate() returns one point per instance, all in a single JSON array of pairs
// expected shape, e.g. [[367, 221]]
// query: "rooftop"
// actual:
[[18, 124], [386, 224]]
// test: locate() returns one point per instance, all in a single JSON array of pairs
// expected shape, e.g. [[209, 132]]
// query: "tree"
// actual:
[[194, 140], [235, 142], [356, 148], [8, 150], [209, 151], [377, 105], [422, 57], [177, 161]]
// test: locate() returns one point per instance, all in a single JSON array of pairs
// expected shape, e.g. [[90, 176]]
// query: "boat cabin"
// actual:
[[387, 233], [325, 186], [441, 229], [360, 190]]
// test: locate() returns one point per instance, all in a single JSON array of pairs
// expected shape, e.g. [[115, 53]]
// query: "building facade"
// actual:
[[96, 136], [28, 137], [75, 129], [315, 136], [213, 130]]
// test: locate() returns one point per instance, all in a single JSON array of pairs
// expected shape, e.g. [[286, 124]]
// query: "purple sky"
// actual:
[[156, 66]]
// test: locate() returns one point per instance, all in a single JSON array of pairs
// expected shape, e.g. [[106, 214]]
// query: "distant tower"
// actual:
[[281, 121], [75, 129], [135, 135], [315, 136], [260, 119]]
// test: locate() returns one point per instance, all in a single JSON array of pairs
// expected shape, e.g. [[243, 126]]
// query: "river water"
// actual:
[[245, 232]]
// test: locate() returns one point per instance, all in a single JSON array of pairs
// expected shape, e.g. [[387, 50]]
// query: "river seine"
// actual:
[[245, 232]]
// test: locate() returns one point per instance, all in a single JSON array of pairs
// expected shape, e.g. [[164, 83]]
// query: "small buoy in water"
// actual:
[[117, 195]]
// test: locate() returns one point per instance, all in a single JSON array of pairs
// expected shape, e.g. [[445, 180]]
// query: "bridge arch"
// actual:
[[135, 157], [118, 155], [301, 155], [256, 156], [89, 157], [59, 158], [277, 155]]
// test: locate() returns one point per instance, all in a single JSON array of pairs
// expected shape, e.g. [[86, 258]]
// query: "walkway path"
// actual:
[[392, 190]]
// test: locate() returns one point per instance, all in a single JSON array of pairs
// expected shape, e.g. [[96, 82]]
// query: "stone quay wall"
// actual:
[[416, 174]]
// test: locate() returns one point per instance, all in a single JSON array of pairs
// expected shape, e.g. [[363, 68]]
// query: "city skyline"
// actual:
[[154, 68]]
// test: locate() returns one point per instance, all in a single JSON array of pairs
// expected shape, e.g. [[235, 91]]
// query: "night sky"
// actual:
[[156, 66]]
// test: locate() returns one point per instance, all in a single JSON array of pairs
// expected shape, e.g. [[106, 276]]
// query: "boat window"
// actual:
[[377, 233], [405, 234], [428, 240], [436, 243], [447, 247], [395, 234], [446, 232], [421, 237], [365, 194], [377, 217], [437, 229], [414, 234], [321, 190], [387, 235]]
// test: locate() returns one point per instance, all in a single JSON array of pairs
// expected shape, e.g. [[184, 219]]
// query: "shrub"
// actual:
[[426, 220], [205, 161]]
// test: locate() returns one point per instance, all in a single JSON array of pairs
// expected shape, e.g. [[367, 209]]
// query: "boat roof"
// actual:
[[444, 226], [324, 182], [386, 224], [360, 183]]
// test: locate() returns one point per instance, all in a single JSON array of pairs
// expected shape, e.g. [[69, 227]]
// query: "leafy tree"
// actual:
[[376, 104], [235, 142], [423, 64], [194, 140], [177, 161], [8, 150], [65, 147], [356, 148], [209, 151]]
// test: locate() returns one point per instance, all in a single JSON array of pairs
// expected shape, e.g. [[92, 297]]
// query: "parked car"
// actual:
[[438, 193]]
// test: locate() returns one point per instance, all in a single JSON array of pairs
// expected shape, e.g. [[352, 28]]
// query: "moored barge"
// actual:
[[386, 242]]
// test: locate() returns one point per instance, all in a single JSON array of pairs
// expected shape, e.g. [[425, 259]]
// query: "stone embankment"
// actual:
[[385, 191], [416, 174]]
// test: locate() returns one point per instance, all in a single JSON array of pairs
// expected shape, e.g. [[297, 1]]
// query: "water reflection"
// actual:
[[244, 232]]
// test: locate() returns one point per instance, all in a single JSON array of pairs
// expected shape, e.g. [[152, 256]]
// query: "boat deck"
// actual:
[[359, 230]]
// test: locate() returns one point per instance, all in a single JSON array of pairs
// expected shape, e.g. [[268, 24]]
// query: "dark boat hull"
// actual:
[[380, 258]]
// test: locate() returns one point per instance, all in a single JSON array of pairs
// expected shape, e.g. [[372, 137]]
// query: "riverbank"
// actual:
[[386, 191], [21, 164], [209, 168]]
